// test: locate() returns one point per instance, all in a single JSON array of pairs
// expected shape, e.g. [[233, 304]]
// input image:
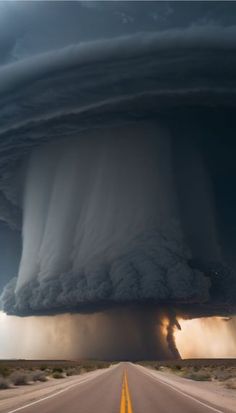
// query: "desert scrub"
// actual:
[[231, 384], [177, 369], [222, 375], [198, 376], [57, 370], [102, 366], [4, 384], [4, 372], [38, 375], [72, 372], [19, 378], [57, 375]]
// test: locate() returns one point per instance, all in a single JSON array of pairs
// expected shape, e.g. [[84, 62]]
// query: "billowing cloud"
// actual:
[[102, 84], [104, 149]]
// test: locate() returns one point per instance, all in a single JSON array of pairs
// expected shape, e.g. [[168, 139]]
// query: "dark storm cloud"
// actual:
[[9, 213], [155, 270], [114, 82], [174, 66], [10, 251], [29, 28], [111, 82]]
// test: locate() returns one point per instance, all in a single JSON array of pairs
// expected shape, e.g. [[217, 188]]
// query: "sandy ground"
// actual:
[[21, 395]]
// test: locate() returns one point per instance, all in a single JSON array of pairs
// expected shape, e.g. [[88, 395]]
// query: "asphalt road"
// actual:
[[124, 388]]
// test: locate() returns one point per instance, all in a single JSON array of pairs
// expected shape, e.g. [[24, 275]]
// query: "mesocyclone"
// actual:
[[116, 193]]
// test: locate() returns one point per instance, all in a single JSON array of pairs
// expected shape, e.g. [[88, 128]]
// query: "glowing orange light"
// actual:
[[212, 337]]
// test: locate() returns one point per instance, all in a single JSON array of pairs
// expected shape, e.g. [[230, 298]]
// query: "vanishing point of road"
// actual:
[[123, 388]]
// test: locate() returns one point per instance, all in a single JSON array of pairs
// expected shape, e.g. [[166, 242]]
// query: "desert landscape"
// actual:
[[31, 384], [218, 371], [15, 373]]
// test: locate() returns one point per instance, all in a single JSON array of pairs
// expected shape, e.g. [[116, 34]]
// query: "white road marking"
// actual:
[[57, 393], [178, 391]]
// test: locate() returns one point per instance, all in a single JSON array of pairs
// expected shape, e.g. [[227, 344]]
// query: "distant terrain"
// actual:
[[21, 372], [221, 371]]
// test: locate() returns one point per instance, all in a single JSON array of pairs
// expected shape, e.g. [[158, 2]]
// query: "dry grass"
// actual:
[[57, 375], [73, 371], [38, 375], [22, 372], [231, 384], [222, 371], [19, 378], [198, 376], [4, 384]]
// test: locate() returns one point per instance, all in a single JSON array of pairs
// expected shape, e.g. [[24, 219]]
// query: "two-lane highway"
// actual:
[[124, 388]]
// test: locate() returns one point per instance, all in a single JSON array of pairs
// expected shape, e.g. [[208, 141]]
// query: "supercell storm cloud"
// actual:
[[111, 167]]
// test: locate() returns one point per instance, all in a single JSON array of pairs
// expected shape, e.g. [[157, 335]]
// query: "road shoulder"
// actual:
[[210, 393]]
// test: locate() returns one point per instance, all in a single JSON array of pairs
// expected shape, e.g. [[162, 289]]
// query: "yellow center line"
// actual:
[[125, 402]]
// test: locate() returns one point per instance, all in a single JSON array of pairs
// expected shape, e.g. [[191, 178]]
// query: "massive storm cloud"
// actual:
[[110, 155]]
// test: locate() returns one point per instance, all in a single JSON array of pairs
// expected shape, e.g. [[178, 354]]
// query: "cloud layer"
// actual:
[[69, 93]]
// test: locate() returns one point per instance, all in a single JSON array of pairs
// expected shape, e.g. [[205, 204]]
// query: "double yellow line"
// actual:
[[125, 403]]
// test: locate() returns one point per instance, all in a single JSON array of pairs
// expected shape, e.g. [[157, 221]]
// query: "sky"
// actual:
[[28, 28], [117, 175]]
